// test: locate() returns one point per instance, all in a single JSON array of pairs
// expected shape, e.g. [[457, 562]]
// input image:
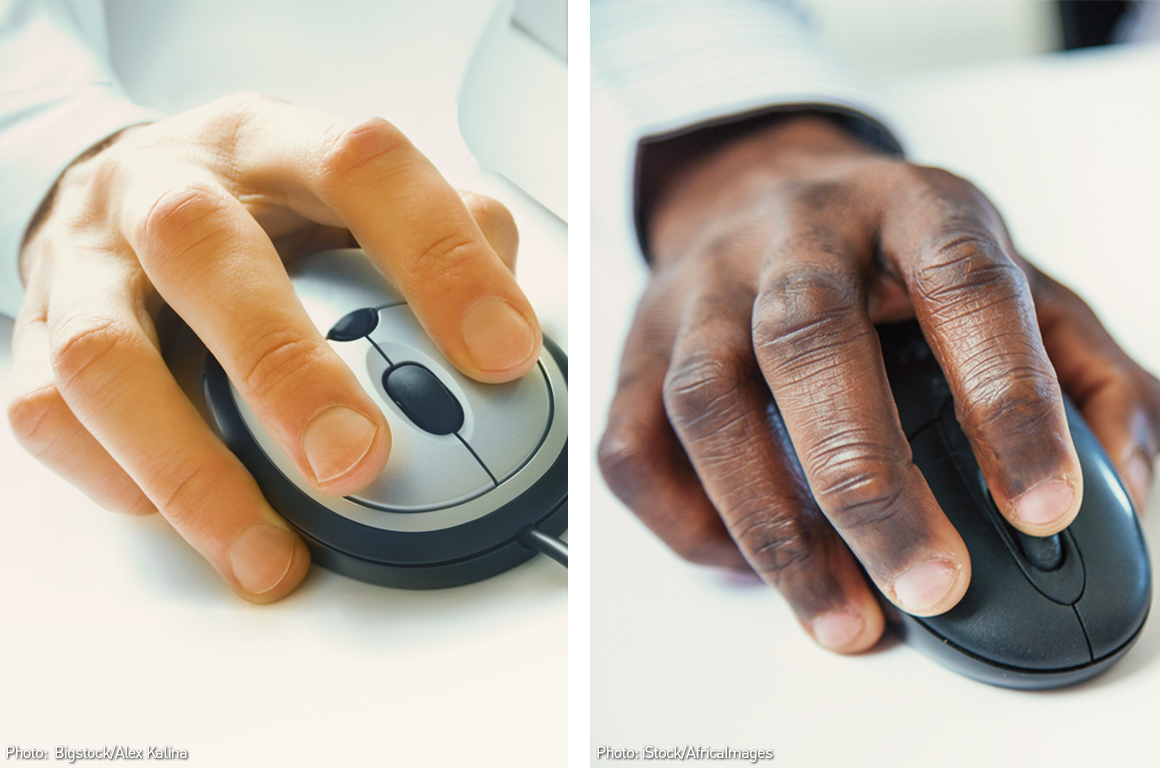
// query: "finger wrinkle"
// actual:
[[776, 544], [989, 379], [815, 374], [998, 392]]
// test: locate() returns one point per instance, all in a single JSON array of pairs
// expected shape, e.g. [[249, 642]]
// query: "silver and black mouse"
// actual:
[[1040, 612], [477, 479]]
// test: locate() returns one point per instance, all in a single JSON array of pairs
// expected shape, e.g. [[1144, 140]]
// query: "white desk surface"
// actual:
[[115, 632], [1068, 149]]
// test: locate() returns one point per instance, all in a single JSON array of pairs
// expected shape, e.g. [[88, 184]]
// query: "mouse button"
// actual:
[[1043, 552], [1112, 618], [988, 553], [511, 420], [331, 284], [1052, 563], [423, 398], [1002, 617], [1010, 623], [990, 556], [424, 472], [398, 327], [1118, 592], [354, 325], [399, 339], [348, 270], [503, 423], [916, 379], [1062, 581]]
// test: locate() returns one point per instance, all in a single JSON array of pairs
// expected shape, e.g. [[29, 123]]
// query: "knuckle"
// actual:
[[226, 116], [965, 272], [799, 305], [732, 245], [821, 196], [857, 484], [185, 492], [919, 176], [33, 415], [804, 321], [702, 392], [624, 457], [929, 183], [777, 545], [274, 361], [95, 178], [225, 123], [1007, 400], [350, 146], [448, 255], [90, 351], [181, 219], [877, 174]]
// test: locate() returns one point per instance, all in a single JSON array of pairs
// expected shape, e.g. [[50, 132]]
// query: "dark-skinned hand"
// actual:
[[774, 253]]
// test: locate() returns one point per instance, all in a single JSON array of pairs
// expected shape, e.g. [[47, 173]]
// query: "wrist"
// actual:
[[74, 175]]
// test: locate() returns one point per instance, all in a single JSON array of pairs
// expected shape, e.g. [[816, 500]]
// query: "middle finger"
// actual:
[[212, 262], [820, 356]]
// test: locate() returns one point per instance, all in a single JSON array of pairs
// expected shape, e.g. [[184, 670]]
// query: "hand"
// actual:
[[197, 211], [773, 256]]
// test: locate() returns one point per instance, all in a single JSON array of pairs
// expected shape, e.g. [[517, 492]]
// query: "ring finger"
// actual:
[[112, 377], [724, 415]]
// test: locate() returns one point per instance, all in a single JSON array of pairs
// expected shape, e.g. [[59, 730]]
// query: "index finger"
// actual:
[[368, 177]]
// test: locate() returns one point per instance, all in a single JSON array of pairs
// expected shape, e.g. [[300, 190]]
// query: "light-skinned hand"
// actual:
[[198, 211]]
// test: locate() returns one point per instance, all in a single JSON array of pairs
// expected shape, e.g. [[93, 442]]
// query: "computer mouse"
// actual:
[[477, 479], [1039, 612]]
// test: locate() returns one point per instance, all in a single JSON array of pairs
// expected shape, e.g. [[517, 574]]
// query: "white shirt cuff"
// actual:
[[666, 66], [42, 131]]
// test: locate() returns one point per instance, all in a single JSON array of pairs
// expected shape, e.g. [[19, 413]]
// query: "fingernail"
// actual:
[[1044, 503], [924, 585], [497, 337], [837, 629], [260, 557], [336, 440], [1139, 477]]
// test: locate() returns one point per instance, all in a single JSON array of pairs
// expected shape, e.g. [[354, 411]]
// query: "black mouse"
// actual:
[[1039, 612], [477, 479]]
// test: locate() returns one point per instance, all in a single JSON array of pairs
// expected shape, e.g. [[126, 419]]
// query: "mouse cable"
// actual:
[[545, 544]]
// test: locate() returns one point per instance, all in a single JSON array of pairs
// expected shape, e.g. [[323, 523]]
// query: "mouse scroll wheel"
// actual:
[[1044, 552], [423, 398], [355, 325]]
